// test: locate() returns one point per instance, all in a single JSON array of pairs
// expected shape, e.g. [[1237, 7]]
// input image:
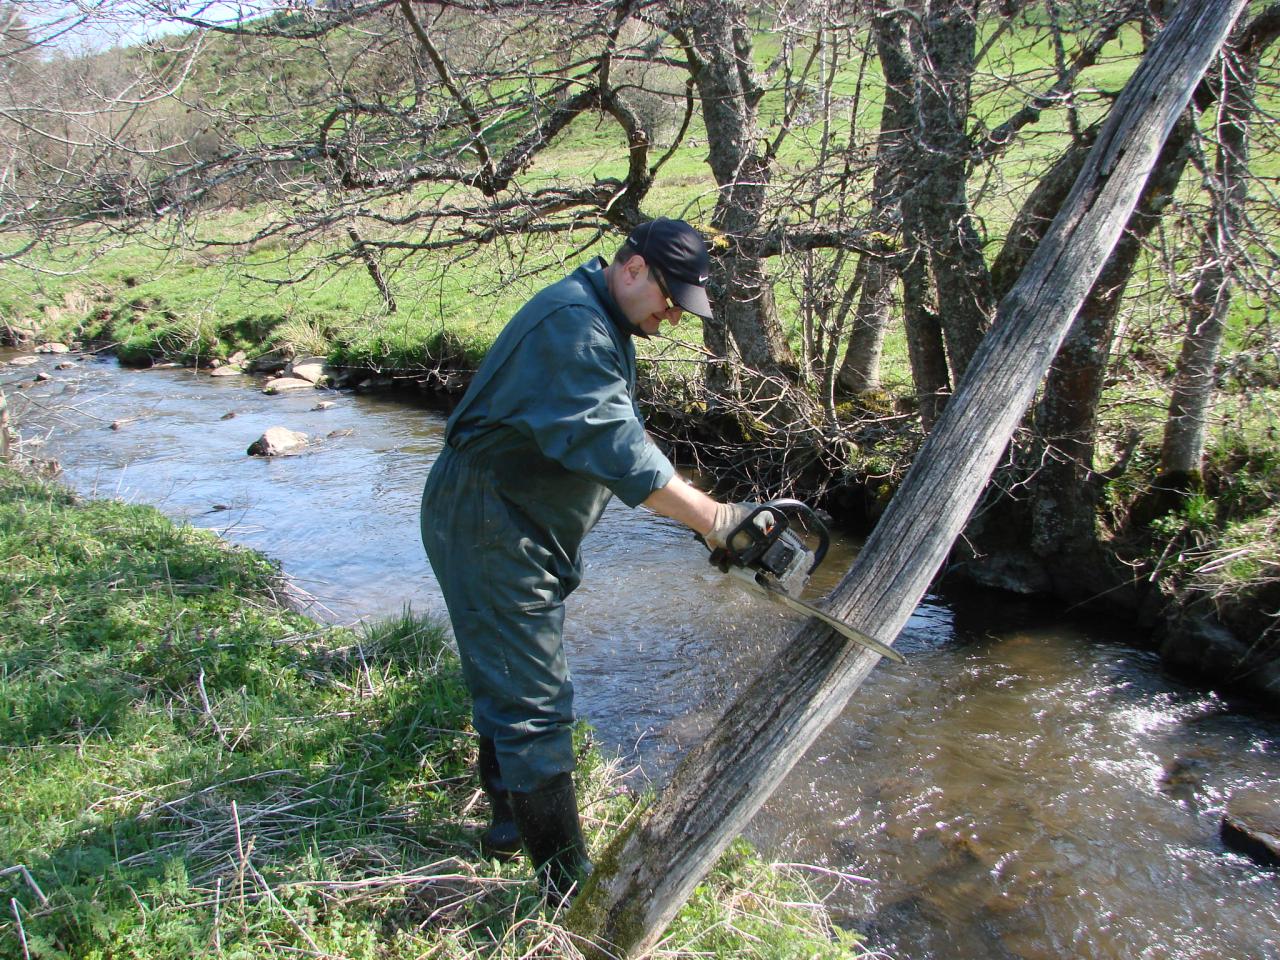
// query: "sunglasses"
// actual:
[[657, 278]]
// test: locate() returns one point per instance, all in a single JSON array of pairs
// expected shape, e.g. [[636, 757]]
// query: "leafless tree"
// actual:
[[1227, 238], [1052, 518]]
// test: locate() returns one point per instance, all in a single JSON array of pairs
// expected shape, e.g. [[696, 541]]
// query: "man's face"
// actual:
[[654, 303]]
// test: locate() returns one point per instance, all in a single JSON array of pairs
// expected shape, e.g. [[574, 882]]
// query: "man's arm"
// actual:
[[690, 506], [687, 504]]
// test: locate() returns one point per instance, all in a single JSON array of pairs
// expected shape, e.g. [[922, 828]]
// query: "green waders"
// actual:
[[547, 432]]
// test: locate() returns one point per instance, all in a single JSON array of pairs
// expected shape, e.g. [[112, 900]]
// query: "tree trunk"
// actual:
[[1064, 494], [650, 870], [1036, 215], [860, 369], [924, 341], [1051, 535], [1195, 378], [726, 86], [925, 349], [935, 209]]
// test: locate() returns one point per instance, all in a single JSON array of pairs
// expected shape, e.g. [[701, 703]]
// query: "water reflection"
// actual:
[[1020, 789]]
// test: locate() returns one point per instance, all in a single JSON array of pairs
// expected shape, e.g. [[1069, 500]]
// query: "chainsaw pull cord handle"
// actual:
[[811, 523]]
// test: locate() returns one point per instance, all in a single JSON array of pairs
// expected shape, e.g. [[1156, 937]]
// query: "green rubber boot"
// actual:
[[548, 820], [501, 839]]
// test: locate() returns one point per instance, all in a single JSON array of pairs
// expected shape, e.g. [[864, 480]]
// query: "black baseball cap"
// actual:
[[680, 253]]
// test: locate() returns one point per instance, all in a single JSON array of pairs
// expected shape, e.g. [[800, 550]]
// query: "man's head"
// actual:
[[659, 272]]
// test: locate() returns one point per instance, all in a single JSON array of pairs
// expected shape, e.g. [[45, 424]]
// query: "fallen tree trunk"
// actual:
[[650, 869]]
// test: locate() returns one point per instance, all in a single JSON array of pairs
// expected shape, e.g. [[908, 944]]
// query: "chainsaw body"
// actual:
[[765, 544], [771, 559]]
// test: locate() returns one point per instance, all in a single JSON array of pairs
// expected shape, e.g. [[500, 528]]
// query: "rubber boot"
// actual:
[[548, 822], [501, 840]]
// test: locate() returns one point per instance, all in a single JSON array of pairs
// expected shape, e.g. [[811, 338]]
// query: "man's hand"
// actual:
[[730, 516]]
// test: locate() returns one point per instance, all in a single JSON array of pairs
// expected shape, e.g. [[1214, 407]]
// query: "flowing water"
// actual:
[[1025, 787]]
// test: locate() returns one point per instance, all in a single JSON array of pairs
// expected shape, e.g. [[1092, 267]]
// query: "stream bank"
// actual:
[[193, 768], [1231, 645]]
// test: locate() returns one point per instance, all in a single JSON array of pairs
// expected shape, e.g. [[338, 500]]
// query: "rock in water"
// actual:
[[283, 384], [1251, 825], [272, 362], [276, 442], [307, 368]]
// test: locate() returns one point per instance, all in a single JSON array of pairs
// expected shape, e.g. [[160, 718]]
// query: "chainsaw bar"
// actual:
[[778, 595]]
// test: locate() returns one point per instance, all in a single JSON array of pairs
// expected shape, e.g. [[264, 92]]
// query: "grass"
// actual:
[[192, 769]]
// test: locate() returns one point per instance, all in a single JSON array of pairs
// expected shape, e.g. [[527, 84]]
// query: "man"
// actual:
[[548, 431]]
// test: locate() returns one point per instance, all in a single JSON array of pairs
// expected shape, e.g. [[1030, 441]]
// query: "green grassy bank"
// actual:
[[191, 769], [148, 301]]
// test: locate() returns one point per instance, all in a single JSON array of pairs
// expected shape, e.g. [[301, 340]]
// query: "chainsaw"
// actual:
[[771, 559]]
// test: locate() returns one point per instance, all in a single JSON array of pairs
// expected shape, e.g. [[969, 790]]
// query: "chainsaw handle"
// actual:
[[811, 522]]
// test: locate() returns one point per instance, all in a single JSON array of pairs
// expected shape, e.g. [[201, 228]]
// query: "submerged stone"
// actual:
[[1251, 825]]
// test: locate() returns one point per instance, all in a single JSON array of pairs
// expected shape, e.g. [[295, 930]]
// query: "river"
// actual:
[[1027, 786]]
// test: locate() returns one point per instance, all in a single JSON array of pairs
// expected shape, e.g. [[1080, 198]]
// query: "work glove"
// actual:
[[729, 516]]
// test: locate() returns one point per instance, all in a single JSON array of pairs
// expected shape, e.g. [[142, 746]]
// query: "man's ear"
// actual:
[[635, 264]]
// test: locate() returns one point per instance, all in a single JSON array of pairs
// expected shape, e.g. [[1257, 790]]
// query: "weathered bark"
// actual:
[[649, 872]]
